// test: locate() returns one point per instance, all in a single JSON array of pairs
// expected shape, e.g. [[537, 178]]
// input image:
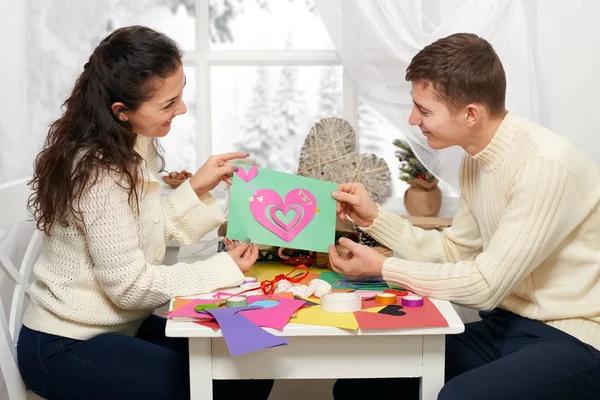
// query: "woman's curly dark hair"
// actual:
[[88, 138]]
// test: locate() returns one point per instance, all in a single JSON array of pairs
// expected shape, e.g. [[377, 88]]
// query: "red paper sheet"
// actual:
[[416, 317], [210, 324]]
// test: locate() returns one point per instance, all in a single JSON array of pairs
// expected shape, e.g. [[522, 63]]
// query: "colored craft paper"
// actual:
[[307, 303], [339, 282], [316, 316], [209, 324], [274, 208], [416, 317], [266, 272], [241, 335], [187, 312], [372, 309], [180, 302], [274, 317]]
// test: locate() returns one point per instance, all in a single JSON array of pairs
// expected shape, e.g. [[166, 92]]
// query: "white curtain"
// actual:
[[45, 44], [12, 86], [376, 40], [48, 42]]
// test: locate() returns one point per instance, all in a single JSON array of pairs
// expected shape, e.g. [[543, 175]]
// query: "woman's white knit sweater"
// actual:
[[526, 237], [108, 277]]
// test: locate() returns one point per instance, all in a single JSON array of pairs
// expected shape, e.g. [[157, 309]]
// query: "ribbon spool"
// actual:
[[249, 279], [412, 301], [236, 301], [386, 298], [341, 302], [202, 307]]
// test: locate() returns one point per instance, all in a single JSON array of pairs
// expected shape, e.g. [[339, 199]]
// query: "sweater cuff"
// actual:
[[187, 204], [386, 228], [184, 199], [399, 272], [213, 206], [227, 273]]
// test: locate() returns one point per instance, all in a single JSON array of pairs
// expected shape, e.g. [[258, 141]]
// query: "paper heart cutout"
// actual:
[[247, 176], [392, 310], [300, 200], [329, 153], [289, 225]]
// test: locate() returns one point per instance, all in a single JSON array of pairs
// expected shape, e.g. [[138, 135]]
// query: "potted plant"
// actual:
[[423, 197]]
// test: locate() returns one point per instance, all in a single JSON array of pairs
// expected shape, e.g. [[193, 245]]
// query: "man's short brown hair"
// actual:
[[463, 68]]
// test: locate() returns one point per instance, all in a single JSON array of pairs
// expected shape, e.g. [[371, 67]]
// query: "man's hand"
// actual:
[[354, 201], [361, 262]]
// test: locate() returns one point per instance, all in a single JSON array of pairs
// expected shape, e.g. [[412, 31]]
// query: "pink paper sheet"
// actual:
[[275, 317]]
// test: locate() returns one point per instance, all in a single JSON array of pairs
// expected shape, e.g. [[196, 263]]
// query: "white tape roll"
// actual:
[[341, 302]]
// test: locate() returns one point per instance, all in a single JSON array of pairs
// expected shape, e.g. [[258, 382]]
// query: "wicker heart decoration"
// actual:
[[329, 153]]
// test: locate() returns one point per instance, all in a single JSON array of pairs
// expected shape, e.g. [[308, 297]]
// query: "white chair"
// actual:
[[13, 213]]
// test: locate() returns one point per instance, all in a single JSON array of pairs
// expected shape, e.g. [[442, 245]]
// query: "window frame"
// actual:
[[202, 58]]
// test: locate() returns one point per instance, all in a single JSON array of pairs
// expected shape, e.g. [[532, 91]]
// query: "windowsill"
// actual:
[[396, 205]]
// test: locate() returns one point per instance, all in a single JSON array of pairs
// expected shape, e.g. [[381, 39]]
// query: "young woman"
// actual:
[[89, 332]]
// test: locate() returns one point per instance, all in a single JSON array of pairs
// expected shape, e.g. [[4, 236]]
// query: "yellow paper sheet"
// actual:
[[315, 316], [268, 271]]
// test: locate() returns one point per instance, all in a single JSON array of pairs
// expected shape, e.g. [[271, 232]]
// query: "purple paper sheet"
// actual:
[[241, 335]]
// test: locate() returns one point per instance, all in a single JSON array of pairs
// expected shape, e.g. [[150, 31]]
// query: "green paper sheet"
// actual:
[[333, 278], [278, 209]]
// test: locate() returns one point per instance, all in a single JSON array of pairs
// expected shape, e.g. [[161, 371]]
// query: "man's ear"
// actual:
[[120, 111], [473, 113]]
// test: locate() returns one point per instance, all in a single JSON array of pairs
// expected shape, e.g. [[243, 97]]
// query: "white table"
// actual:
[[317, 352]]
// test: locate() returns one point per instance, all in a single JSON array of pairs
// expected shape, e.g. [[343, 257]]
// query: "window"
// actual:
[[266, 111], [260, 74]]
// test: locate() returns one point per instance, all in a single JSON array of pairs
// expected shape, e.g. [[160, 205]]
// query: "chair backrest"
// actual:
[[13, 212]]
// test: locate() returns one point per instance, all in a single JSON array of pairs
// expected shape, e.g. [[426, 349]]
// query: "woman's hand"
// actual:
[[243, 253], [354, 201], [216, 169]]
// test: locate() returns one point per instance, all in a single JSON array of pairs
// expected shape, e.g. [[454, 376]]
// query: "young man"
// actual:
[[524, 246]]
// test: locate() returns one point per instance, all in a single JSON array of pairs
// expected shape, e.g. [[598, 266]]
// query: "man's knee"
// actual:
[[457, 389]]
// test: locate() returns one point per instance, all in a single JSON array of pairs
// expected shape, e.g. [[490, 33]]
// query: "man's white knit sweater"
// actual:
[[526, 237], [109, 278]]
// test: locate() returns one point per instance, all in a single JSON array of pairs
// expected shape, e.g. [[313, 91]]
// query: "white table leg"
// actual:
[[200, 369], [434, 348]]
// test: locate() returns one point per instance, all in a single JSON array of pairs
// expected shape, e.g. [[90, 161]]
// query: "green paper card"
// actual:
[[278, 209]]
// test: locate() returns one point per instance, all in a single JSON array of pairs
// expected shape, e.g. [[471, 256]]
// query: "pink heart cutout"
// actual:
[[247, 176], [299, 200], [290, 225]]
